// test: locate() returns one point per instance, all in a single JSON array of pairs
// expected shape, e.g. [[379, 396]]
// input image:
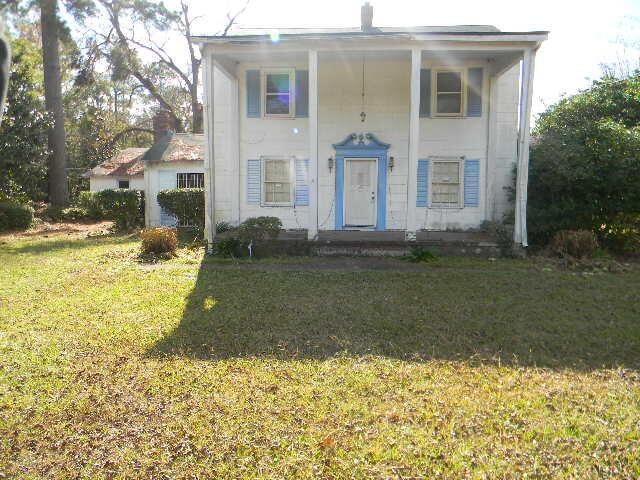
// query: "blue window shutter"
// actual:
[[422, 195], [254, 180], [425, 92], [253, 93], [474, 92], [302, 93], [302, 182], [472, 183]]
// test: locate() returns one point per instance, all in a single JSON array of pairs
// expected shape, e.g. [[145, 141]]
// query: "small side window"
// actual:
[[123, 184], [190, 180]]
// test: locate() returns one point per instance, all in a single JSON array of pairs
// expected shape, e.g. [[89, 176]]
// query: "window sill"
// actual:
[[270, 205], [445, 207]]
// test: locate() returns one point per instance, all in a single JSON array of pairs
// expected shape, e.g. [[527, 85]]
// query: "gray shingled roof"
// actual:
[[257, 33]]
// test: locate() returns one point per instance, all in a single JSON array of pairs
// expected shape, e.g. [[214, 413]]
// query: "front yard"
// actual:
[[309, 369]]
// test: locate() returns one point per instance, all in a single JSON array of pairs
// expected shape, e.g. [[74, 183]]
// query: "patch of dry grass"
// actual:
[[467, 369]]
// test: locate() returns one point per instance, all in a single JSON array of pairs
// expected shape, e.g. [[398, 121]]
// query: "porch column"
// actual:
[[312, 228], [414, 142], [526, 93], [209, 162]]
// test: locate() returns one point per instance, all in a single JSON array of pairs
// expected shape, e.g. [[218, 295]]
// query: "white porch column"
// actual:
[[526, 94], [313, 145], [209, 157], [414, 142]]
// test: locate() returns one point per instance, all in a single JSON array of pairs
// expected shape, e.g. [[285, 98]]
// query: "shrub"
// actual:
[[14, 216], [421, 254], [256, 229], [89, 201], [187, 204], [585, 164], [574, 243], [124, 207], [222, 227], [159, 241], [74, 214], [228, 247]]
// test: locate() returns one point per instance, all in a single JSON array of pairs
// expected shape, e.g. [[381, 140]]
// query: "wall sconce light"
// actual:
[[330, 164], [392, 163]]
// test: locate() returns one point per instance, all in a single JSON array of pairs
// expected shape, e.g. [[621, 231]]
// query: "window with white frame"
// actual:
[[123, 184], [446, 183], [277, 181], [190, 180], [279, 95], [449, 92]]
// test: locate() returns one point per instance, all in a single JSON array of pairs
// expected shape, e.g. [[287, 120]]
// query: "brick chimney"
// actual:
[[162, 122], [366, 17]]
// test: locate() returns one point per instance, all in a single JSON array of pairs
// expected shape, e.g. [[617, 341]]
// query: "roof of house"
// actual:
[[351, 32], [125, 163], [177, 147], [172, 147]]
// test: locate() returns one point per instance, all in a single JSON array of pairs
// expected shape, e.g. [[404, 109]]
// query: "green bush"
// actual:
[[574, 243], [74, 214], [14, 216], [186, 204], [421, 254], [585, 166], [223, 226], [256, 229], [124, 207], [159, 241], [89, 201]]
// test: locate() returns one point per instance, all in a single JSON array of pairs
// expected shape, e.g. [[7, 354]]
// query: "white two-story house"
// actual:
[[403, 129]]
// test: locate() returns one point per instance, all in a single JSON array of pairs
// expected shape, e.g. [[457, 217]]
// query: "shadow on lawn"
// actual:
[[546, 319]]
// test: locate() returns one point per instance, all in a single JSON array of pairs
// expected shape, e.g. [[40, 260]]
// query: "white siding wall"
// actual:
[[387, 107], [152, 181], [104, 183]]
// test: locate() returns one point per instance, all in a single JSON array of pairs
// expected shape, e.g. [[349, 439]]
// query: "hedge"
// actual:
[[14, 216], [125, 207], [186, 204]]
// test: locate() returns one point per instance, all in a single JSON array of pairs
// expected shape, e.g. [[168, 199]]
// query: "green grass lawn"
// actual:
[[192, 368]]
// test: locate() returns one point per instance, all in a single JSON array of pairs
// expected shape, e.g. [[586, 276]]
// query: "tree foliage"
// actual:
[[23, 142], [585, 165]]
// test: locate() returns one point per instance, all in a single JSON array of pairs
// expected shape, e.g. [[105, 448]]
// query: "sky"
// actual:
[[583, 34]]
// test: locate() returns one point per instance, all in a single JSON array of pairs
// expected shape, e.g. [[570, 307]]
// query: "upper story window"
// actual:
[[278, 185], [123, 184], [190, 180], [449, 91], [446, 183], [278, 93]]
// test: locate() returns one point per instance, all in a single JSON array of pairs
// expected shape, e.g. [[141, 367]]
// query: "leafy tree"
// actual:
[[585, 164], [23, 146]]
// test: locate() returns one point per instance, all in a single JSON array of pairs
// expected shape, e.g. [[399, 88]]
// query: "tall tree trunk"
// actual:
[[58, 189]]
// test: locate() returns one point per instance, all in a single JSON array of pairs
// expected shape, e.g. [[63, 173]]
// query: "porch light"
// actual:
[[392, 163], [330, 164]]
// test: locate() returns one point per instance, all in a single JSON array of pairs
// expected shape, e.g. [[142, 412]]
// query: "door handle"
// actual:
[[373, 196]]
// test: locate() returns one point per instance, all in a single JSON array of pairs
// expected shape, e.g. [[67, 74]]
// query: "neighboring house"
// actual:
[[175, 160], [124, 170], [404, 129]]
